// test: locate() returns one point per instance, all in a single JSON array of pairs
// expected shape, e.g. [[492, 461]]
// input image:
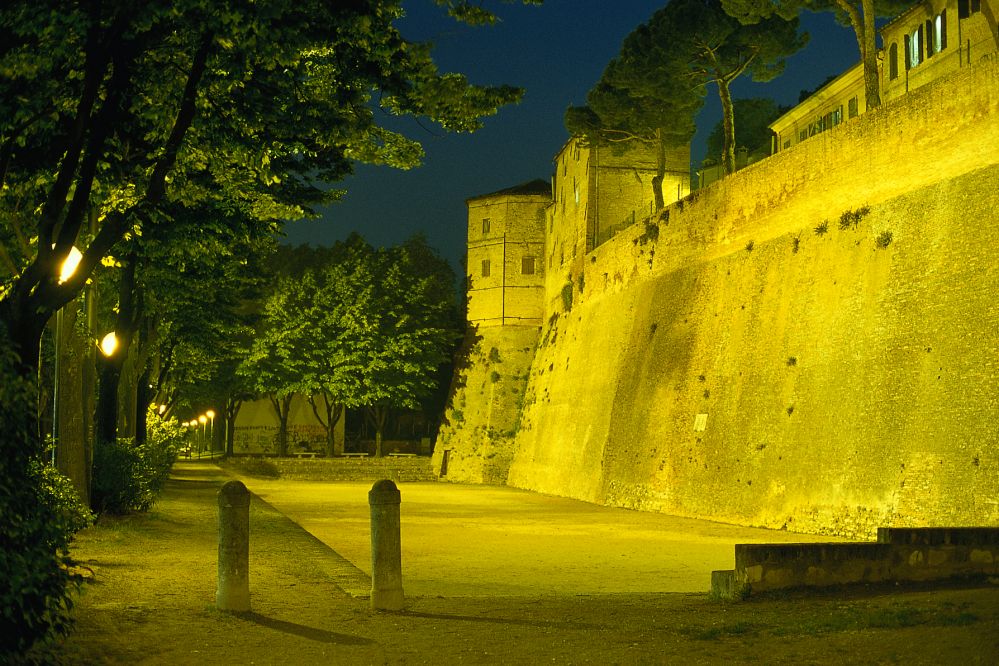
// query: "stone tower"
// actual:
[[506, 282], [506, 240]]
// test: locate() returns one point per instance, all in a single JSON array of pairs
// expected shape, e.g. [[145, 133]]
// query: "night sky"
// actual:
[[556, 52]]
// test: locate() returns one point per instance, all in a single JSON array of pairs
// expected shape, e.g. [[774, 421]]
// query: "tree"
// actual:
[[124, 112], [716, 48], [639, 99], [407, 332], [858, 14], [753, 129]]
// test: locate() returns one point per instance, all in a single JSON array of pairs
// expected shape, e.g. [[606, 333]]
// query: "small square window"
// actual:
[[485, 268], [527, 265], [485, 225]]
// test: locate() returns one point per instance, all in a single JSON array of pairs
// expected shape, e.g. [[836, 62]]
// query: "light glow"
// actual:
[[69, 264], [109, 344]]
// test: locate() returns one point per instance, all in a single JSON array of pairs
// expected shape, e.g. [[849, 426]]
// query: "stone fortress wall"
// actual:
[[744, 358]]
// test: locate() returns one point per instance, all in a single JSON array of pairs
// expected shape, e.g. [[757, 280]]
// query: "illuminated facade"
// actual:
[[933, 38], [505, 246]]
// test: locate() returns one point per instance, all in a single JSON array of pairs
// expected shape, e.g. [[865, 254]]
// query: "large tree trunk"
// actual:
[[282, 406], [110, 371], [231, 412], [106, 417], [864, 30], [728, 126], [872, 87], [377, 415], [333, 411]]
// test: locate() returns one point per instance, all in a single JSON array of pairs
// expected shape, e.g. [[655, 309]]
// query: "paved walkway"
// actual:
[[487, 541]]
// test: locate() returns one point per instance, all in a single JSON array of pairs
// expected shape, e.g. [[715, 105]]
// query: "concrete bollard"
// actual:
[[386, 547], [233, 592]]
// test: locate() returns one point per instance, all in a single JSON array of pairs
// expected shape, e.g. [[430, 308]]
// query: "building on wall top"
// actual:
[[505, 270], [929, 40], [599, 190], [840, 99]]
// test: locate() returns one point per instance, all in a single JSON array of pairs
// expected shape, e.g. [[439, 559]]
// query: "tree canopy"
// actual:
[[656, 85], [121, 121], [128, 110], [860, 15], [640, 99], [752, 132], [368, 329]]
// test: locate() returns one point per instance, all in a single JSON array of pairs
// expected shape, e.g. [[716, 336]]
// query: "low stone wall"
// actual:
[[899, 555], [410, 470]]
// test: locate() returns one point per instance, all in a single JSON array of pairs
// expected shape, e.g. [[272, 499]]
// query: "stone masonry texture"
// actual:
[[810, 344]]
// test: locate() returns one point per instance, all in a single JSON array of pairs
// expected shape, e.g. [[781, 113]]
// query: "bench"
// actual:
[[355, 455], [305, 454], [402, 455]]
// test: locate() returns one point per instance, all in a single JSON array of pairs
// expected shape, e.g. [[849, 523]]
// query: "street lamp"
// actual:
[[202, 420], [109, 343], [211, 444], [66, 271]]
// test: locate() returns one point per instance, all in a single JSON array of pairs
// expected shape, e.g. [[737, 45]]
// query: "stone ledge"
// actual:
[[900, 555]]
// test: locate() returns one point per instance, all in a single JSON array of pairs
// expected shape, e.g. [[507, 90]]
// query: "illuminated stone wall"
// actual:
[[483, 417], [745, 359]]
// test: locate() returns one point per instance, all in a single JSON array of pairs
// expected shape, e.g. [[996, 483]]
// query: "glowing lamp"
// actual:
[[69, 264], [109, 344]]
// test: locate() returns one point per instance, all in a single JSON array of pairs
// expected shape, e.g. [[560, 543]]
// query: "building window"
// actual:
[[527, 265], [485, 268], [802, 135], [938, 41], [853, 106], [787, 144], [485, 226], [966, 8], [892, 62], [914, 48]]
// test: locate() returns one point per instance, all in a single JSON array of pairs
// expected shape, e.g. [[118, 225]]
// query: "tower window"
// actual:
[[527, 265], [485, 268], [485, 225]]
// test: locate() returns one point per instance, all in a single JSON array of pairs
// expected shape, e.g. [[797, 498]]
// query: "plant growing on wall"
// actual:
[[567, 290]]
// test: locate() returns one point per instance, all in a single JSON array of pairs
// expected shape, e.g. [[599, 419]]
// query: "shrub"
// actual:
[[567, 289], [38, 515], [253, 466], [128, 476]]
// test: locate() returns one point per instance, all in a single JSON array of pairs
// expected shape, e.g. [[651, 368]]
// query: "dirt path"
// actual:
[[481, 541], [151, 601]]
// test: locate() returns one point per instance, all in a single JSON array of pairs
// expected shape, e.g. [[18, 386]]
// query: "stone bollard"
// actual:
[[233, 592], [386, 547]]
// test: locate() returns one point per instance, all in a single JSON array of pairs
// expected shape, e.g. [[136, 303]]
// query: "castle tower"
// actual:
[[506, 283], [505, 246]]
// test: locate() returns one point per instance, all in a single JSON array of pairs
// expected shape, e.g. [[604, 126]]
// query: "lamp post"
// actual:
[[107, 404], [211, 438], [202, 420], [66, 271]]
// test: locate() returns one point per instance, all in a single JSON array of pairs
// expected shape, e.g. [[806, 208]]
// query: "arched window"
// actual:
[[893, 61]]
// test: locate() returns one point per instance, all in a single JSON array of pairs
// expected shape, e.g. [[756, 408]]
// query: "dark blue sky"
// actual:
[[556, 52]]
